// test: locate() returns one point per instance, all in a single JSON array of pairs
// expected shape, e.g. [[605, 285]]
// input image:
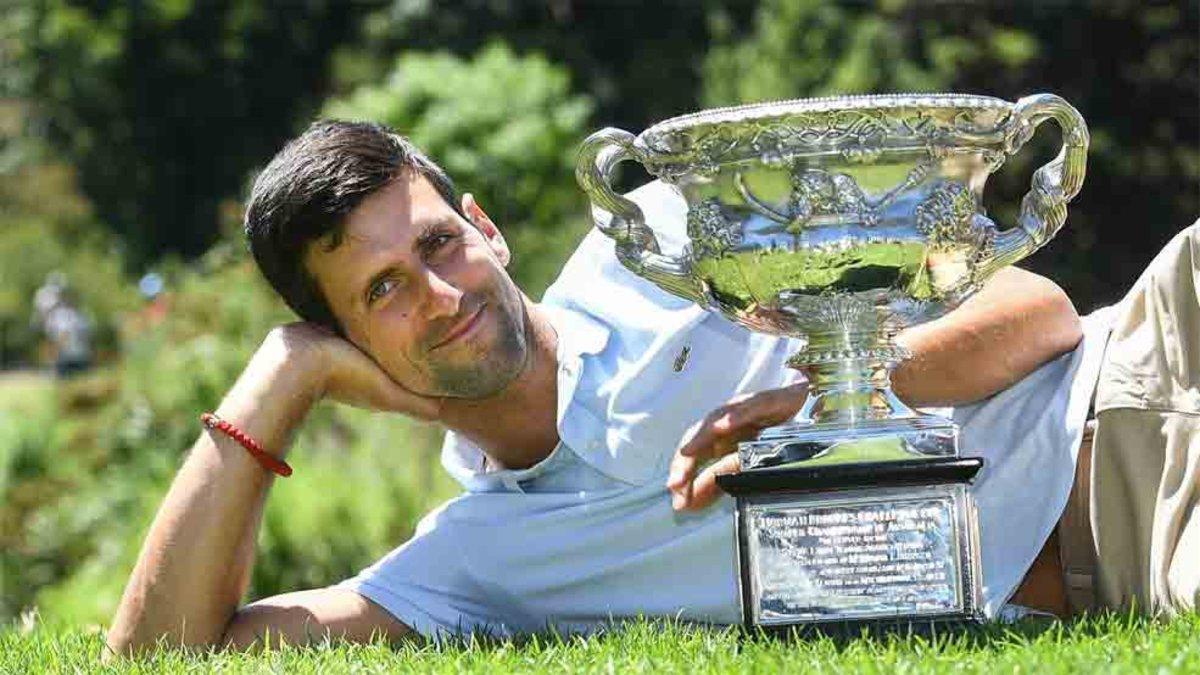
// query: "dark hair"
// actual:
[[304, 195]]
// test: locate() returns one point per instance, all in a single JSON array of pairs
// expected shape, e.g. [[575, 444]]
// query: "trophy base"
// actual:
[[877, 628], [890, 546], [875, 441]]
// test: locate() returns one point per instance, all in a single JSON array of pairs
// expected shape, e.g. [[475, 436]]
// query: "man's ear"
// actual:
[[487, 228]]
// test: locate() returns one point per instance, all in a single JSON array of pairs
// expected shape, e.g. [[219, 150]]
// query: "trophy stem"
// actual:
[[850, 379], [851, 414]]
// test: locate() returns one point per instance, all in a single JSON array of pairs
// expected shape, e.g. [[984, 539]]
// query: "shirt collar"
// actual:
[[578, 334]]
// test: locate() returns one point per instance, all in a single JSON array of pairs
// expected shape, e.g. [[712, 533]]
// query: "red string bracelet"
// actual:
[[252, 446]]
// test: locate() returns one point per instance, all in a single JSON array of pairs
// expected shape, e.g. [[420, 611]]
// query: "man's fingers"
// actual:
[[742, 419], [717, 436], [356, 379], [717, 432], [704, 490], [708, 443], [683, 470], [395, 397]]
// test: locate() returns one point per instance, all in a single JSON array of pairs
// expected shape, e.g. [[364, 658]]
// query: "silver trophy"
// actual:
[[841, 221]]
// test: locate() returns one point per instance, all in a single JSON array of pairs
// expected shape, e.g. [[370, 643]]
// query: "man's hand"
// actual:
[[716, 437], [344, 373]]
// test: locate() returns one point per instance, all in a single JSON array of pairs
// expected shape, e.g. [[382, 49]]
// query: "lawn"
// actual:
[[1108, 644]]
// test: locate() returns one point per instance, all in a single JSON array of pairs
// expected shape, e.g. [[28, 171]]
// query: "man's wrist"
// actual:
[[283, 380], [299, 357]]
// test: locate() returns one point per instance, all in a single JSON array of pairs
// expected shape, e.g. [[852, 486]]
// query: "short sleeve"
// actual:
[[426, 583]]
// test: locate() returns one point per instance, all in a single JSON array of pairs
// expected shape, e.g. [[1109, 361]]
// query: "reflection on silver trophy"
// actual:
[[841, 221]]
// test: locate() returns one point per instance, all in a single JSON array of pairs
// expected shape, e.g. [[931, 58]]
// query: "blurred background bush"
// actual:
[[130, 129]]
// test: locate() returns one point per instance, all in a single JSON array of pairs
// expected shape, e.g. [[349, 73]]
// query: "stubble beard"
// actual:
[[494, 370]]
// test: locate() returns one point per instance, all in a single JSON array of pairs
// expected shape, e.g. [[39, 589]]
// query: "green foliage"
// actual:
[[505, 128], [164, 106], [365, 481], [26, 430], [638, 60], [809, 48]]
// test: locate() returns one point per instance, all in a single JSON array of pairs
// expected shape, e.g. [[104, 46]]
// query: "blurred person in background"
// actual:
[[67, 328]]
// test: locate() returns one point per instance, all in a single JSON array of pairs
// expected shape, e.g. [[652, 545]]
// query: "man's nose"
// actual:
[[442, 298]]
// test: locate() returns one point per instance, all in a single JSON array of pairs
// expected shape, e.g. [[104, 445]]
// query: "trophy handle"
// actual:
[[1044, 207], [637, 247]]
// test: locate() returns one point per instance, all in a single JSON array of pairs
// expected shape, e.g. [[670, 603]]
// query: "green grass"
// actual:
[[1115, 644]]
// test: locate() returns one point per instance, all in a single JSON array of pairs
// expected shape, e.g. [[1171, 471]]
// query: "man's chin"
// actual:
[[485, 378], [488, 372], [478, 388]]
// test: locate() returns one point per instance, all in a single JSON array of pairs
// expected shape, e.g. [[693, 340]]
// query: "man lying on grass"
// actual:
[[576, 425]]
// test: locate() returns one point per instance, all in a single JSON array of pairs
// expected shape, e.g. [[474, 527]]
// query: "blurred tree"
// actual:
[[1130, 67], [162, 107], [505, 128], [640, 61]]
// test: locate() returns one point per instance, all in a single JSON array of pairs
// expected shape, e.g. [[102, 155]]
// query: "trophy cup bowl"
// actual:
[[841, 221]]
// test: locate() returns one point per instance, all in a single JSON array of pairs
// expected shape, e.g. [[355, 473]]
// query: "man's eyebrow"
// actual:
[[433, 228]]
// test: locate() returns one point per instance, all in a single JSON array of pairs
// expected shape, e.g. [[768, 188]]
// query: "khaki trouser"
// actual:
[[1143, 543]]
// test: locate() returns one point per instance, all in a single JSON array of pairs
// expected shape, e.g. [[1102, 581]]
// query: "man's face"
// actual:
[[424, 292]]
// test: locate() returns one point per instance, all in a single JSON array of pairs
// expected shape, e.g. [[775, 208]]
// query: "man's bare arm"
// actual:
[[1016, 323], [196, 561]]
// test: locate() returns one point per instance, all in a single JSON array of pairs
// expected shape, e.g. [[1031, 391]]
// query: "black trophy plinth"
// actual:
[[887, 546]]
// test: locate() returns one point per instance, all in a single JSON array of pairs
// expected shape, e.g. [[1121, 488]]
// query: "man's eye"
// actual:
[[380, 289], [437, 241]]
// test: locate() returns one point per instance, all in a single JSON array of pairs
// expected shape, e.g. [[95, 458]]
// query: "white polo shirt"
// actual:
[[587, 536]]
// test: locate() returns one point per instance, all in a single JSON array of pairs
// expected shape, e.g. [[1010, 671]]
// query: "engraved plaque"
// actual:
[[858, 554]]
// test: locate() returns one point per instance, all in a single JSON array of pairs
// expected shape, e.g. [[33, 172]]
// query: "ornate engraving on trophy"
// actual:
[[858, 134], [946, 217], [711, 233], [816, 192], [820, 197]]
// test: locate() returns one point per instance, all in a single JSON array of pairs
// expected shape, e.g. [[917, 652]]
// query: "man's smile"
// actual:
[[462, 329]]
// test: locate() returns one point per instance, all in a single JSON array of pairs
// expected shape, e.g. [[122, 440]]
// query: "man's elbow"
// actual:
[[1039, 325], [1045, 327], [115, 646], [124, 644], [1058, 320], [125, 639], [122, 638], [120, 644]]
